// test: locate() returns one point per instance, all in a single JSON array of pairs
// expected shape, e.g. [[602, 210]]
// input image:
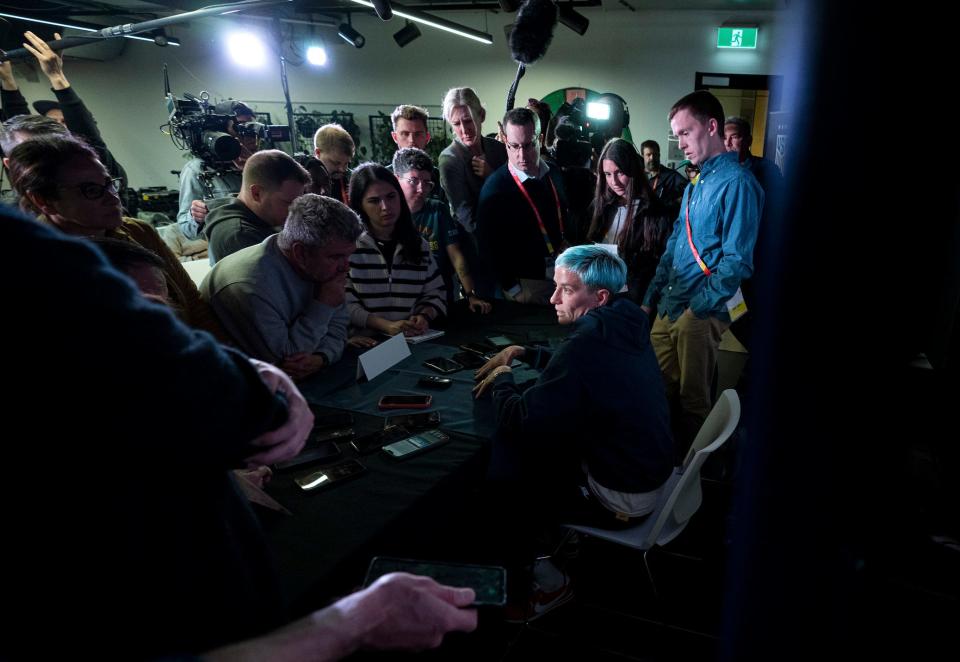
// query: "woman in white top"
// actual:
[[626, 213]]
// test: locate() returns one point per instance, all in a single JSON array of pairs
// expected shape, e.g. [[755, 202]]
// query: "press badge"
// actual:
[[736, 306], [549, 268]]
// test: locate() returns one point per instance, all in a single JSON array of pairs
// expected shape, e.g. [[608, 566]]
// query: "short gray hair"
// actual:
[[463, 96], [743, 128], [316, 220]]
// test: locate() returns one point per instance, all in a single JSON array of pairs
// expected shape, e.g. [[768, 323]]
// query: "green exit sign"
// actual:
[[737, 37]]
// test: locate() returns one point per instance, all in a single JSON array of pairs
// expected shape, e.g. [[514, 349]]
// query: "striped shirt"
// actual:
[[395, 292]]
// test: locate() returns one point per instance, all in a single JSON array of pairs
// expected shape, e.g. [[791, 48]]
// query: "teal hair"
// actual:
[[596, 267]]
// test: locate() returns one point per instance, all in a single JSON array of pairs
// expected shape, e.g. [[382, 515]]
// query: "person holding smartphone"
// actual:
[[394, 285], [158, 556]]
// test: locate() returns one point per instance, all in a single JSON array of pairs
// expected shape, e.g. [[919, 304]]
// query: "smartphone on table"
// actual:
[[489, 582], [469, 360], [415, 444], [413, 422], [481, 348], [443, 365], [327, 476], [405, 402], [374, 441]]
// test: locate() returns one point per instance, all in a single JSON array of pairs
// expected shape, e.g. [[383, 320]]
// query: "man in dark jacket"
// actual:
[[599, 403], [122, 522], [590, 441], [272, 180]]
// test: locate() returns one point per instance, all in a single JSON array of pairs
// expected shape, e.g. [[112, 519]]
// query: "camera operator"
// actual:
[[203, 182], [569, 150], [67, 110]]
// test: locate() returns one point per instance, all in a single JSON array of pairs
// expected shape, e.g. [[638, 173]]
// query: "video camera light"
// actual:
[[598, 110]]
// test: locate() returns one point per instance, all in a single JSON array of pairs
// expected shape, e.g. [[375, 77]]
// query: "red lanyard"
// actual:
[[536, 212], [653, 184], [343, 193], [693, 248]]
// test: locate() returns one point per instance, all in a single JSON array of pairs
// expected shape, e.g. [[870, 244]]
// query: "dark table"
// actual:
[[401, 508]]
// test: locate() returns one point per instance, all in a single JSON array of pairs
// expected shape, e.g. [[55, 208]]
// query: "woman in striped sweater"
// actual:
[[394, 284]]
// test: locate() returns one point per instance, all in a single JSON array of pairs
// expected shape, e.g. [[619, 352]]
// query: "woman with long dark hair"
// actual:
[[626, 213], [394, 284]]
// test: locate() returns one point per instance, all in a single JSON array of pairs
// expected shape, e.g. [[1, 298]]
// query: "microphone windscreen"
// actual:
[[383, 8], [532, 31]]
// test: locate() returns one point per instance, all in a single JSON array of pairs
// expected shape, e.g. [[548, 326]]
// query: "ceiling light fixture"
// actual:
[[406, 34], [434, 22], [573, 19]]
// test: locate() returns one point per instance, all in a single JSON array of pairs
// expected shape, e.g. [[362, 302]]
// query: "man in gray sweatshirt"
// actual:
[[282, 300]]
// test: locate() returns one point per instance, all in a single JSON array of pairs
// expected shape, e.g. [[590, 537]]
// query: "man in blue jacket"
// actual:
[[697, 284]]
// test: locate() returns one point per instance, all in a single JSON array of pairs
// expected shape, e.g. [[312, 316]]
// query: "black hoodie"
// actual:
[[600, 399]]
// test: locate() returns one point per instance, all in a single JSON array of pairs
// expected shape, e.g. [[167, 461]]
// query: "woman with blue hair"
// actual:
[[590, 441]]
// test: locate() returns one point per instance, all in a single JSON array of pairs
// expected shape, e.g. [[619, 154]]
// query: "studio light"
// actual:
[[246, 49], [573, 19], [351, 36], [406, 34], [316, 55]]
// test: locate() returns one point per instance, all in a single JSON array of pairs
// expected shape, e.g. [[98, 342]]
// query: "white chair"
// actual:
[[681, 496]]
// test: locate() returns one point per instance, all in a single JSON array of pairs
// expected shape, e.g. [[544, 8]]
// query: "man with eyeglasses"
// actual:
[[523, 215], [415, 172]]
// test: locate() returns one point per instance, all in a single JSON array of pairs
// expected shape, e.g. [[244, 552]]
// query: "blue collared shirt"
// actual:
[[725, 208]]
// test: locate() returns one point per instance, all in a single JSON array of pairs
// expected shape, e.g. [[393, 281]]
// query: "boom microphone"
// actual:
[[532, 31], [530, 38], [383, 9]]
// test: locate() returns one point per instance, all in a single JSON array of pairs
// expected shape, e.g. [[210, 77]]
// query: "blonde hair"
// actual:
[[333, 138], [463, 96]]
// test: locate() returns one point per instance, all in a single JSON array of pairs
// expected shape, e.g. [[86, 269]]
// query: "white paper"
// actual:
[[384, 356]]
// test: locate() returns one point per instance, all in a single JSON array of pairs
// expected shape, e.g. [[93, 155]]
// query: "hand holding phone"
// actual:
[[489, 583]]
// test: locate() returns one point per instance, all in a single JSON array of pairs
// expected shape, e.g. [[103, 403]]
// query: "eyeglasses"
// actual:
[[516, 147], [92, 191], [416, 182]]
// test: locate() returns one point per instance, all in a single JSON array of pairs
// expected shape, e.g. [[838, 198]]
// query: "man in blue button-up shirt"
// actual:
[[722, 212]]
